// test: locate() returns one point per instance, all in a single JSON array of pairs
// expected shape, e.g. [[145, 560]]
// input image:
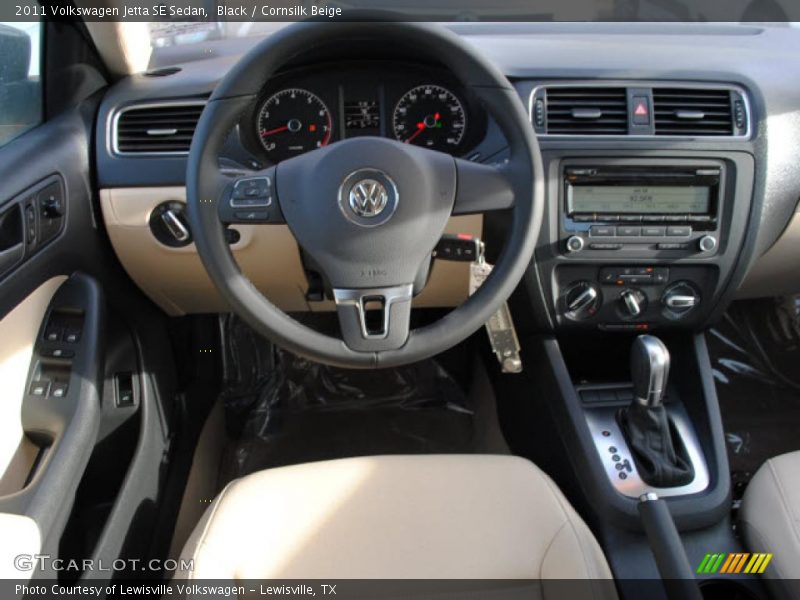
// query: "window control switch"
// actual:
[[39, 388], [123, 386], [58, 390], [72, 336]]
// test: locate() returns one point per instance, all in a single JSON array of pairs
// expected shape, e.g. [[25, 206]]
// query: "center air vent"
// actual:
[[693, 111], [586, 110], [165, 128]]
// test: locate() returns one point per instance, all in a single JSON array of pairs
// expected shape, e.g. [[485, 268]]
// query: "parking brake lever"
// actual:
[[667, 548]]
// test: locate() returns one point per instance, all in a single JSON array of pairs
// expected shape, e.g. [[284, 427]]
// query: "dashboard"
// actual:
[[642, 228], [311, 108]]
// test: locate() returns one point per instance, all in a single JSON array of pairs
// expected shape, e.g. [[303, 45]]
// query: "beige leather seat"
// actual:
[[421, 517], [771, 521]]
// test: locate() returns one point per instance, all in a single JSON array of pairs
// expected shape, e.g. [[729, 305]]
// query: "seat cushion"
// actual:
[[439, 517], [770, 520]]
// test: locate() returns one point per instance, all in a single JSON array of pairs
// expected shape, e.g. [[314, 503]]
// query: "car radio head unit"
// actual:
[[641, 210], [624, 194]]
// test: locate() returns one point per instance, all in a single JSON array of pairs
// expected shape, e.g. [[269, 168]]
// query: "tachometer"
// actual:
[[293, 121], [430, 116]]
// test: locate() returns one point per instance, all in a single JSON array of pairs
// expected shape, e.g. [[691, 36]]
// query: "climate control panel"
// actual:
[[630, 297]]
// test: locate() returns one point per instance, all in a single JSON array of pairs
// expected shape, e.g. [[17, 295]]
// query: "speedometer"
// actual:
[[430, 116], [293, 121]]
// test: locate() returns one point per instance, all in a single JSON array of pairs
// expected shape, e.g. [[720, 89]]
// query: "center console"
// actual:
[[642, 243]]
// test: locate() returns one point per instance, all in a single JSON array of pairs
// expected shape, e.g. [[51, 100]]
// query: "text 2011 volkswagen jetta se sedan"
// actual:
[[377, 307]]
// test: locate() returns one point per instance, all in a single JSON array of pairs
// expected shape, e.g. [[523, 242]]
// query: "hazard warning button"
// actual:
[[641, 110]]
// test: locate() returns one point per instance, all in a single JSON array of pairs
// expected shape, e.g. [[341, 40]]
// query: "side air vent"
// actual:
[[694, 112], [586, 110], [164, 128]]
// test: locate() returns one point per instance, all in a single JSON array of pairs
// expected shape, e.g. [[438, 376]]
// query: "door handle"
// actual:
[[11, 228], [12, 239]]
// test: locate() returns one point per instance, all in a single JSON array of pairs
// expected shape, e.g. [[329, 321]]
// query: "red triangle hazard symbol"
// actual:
[[640, 110]]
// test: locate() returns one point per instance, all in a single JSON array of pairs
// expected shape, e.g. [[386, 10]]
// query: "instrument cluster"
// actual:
[[308, 109]]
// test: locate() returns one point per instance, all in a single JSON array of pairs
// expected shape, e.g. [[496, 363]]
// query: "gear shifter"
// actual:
[[649, 370], [657, 449]]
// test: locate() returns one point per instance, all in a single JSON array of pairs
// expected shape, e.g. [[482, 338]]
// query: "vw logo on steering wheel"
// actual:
[[368, 197]]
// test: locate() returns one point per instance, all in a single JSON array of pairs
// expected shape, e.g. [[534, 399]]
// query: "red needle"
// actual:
[[276, 130], [420, 129]]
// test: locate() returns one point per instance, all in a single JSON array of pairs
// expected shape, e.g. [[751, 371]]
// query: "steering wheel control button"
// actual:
[[252, 215], [368, 197], [252, 192]]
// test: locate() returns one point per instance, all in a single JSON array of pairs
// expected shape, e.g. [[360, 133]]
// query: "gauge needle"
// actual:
[[422, 126], [276, 130], [420, 129]]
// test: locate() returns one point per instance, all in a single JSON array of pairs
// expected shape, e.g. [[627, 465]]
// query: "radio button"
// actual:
[[582, 218], [605, 246], [602, 231], [630, 218], [672, 246], [679, 231], [629, 231], [676, 218], [654, 231], [653, 218]]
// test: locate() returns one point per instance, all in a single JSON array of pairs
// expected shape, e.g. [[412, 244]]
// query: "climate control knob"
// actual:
[[633, 303], [581, 300], [679, 299]]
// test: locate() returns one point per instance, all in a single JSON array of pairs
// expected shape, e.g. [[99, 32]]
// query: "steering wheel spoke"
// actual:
[[375, 319], [481, 188], [252, 199]]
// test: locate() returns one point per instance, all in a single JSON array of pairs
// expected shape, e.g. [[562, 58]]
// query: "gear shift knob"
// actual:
[[649, 370]]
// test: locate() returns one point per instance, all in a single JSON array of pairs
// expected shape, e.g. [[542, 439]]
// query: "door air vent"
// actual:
[[590, 110], [163, 128], [695, 112]]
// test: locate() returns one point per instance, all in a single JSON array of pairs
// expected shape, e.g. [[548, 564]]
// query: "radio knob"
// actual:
[[575, 243], [707, 243]]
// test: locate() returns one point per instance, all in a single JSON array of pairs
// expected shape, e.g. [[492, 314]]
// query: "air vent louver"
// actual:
[[691, 111], [157, 128], [587, 111]]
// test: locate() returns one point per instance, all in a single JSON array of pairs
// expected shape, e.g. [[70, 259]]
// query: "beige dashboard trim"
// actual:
[[777, 272], [175, 279]]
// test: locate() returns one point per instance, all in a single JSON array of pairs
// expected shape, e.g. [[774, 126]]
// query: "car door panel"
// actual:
[[55, 258]]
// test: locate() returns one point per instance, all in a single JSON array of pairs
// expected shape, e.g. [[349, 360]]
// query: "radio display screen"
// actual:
[[639, 199]]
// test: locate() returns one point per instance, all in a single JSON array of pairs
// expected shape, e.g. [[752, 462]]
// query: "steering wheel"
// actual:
[[369, 211]]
